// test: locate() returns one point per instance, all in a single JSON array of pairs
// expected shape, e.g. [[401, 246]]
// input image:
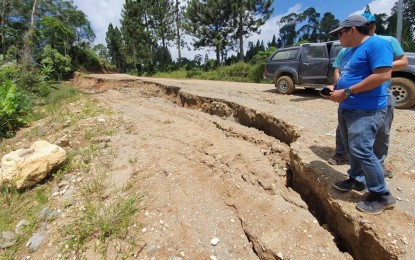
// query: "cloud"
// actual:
[[270, 28], [379, 7], [100, 14]]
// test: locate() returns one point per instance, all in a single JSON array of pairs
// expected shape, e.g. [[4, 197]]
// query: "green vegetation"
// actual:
[[94, 217], [102, 221], [13, 107], [16, 206]]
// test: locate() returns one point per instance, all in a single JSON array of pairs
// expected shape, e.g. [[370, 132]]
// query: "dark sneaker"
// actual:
[[338, 159], [387, 173], [376, 203], [348, 185]]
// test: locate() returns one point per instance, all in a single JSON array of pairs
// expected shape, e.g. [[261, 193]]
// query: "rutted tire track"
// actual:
[[362, 237]]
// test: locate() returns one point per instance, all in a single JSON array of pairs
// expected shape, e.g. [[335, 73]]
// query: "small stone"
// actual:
[[7, 239], [399, 189], [393, 242], [151, 249], [212, 257], [399, 198], [214, 241], [35, 241], [280, 255], [63, 184]]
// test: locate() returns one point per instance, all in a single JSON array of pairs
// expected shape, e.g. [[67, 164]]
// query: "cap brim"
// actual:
[[335, 31]]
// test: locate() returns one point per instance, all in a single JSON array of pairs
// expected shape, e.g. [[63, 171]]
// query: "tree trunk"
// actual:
[[218, 54], [3, 21], [28, 40], [241, 39], [179, 40]]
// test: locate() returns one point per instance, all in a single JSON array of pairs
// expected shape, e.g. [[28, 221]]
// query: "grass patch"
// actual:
[[66, 111], [177, 74], [238, 72], [16, 206], [101, 221]]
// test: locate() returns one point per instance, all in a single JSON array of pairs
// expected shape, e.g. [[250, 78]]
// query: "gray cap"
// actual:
[[351, 21]]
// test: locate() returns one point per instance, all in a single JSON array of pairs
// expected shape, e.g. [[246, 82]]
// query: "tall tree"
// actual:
[[115, 46], [136, 33], [64, 12], [381, 23], [178, 21], [288, 32], [309, 31], [3, 26], [28, 39], [101, 51], [248, 16], [210, 23], [161, 22], [327, 24], [273, 42], [15, 18]]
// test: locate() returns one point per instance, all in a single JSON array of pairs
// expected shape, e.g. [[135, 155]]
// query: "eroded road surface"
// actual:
[[236, 171]]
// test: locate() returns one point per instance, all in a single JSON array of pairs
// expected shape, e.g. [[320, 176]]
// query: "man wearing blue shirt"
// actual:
[[382, 140], [361, 92]]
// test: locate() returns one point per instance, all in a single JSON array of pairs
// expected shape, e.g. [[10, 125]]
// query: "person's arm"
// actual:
[[374, 80], [399, 63], [336, 66], [336, 74]]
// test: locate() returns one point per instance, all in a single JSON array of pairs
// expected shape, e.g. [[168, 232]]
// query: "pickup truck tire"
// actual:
[[285, 85], [404, 92]]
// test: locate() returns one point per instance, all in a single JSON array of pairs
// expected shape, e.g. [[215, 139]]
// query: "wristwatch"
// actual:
[[348, 92]]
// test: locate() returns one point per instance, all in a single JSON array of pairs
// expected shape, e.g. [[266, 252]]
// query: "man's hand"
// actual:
[[338, 96], [326, 94]]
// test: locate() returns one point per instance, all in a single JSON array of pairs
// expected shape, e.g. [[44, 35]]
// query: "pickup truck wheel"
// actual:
[[404, 92], [285, 85]]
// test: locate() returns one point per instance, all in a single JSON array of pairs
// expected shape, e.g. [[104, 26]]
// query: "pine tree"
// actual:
[[248, 16], [210, 23]]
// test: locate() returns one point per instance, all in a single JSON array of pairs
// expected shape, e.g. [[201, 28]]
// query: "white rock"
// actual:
[[27, 167], [214, 241]]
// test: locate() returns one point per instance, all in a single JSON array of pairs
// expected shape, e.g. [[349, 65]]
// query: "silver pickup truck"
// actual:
[[310, 65]]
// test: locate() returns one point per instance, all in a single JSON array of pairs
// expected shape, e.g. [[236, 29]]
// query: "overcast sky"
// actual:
[[103, 12]]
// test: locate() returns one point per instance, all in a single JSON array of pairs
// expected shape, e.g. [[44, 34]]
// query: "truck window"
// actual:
[[313, 52], [285, 55]]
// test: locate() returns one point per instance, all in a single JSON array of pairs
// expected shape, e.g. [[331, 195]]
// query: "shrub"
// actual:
[[61, 64], [192, 73], [13, 106], [9, 71], [86, 59]]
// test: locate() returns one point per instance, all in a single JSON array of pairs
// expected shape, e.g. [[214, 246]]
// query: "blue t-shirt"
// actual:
[[396, 47], [357, 64]]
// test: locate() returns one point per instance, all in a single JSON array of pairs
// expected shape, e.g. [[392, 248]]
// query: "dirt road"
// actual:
[[236, 171]]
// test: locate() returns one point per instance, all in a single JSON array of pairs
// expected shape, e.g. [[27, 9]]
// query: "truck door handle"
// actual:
[[306, 63]]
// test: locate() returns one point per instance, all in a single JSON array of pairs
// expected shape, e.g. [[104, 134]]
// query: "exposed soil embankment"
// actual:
[[216, 160]]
